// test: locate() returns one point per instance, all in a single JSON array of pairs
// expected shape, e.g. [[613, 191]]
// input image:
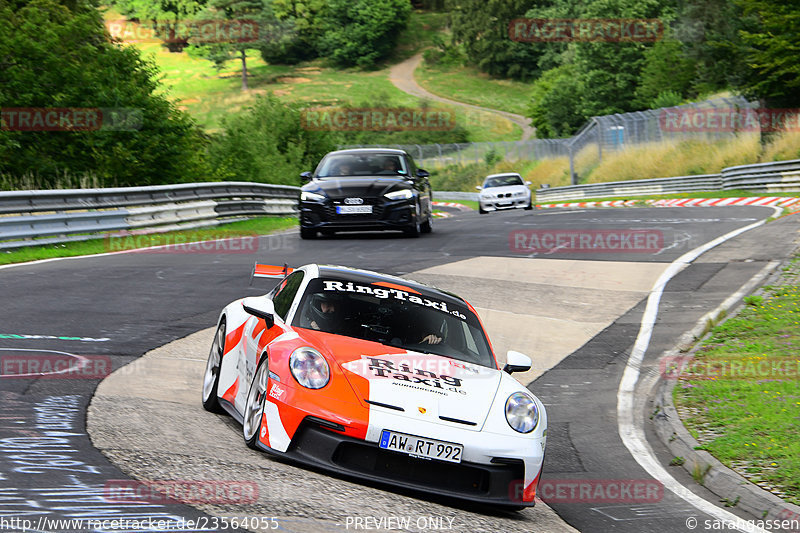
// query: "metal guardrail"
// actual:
[[46, 217], [706, 182], [779, 176]]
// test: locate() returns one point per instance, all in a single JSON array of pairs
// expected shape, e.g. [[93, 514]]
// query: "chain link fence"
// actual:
[[600, 135]]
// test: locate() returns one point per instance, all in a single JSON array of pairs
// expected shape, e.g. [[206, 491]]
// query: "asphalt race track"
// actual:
[[112, 309]]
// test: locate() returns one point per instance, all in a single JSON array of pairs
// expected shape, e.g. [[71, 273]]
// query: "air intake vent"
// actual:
[[386, 405], [457, 421]]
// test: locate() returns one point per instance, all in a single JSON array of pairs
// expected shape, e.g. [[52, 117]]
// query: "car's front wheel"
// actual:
[[427, 226], [308, 233], [211, 375], [415, 228], [254, 408], [530, 204]]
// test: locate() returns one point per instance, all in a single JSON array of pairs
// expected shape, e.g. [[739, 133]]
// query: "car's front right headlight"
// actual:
[[402, 194], [311, 196], [521, 412], [309, 368]]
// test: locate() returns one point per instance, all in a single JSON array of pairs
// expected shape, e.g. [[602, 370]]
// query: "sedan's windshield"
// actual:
[[502, 181], [395, 315], [373, 164]]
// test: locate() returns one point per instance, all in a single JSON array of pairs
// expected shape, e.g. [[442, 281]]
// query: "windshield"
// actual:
[[502, 181], [362, 165], [394, 315]]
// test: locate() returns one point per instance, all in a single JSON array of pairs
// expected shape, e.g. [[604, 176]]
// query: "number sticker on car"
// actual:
[[421, 446]]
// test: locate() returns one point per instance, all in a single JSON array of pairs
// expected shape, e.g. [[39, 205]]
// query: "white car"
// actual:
[[379, 378], [504, 191]]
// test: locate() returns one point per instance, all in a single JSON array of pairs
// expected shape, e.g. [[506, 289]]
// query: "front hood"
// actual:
[[425, 386], [356, 187]]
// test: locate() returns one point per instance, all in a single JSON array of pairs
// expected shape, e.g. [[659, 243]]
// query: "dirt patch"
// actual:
[[292, 79]]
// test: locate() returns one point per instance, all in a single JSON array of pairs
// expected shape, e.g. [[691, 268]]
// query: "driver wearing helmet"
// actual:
[[323, 311]]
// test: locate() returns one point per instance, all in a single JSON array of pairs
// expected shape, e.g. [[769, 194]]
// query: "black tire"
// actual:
[[530, 205], [308, 233], [481, 210], [415, 228], [253, 416], [427, 226], [211, 374]]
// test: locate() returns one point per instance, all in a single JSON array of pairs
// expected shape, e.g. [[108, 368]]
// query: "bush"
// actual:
[[266, 143], [362, 32]]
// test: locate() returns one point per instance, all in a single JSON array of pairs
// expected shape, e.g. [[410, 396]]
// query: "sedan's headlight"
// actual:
[[403, 194], [487, 196], [521, 412], [309, 368], [312, 196]]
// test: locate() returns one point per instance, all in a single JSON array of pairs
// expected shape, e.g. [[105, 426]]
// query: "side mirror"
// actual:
[[305, 176], [517, 362], [528, 183], [261, 308], [479, 187], [422, 173]]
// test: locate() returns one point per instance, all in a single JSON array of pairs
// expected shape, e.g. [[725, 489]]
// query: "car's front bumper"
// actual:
[[495, 484], [500, 204], [385, 216]]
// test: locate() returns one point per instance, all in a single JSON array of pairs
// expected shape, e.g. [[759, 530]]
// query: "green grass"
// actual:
[[209, 94], [469, 85], [255, 226], [752, 424]]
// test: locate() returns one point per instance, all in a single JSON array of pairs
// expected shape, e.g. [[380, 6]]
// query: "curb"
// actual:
[[729, 486], [792, 204]]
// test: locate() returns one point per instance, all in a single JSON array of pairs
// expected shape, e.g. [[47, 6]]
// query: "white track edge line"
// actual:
[[632, 434]]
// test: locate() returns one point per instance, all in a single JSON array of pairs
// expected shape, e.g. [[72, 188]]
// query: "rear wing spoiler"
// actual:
[[271, 271]]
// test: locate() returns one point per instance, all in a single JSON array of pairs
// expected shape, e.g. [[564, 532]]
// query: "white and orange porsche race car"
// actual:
[[379, 378]]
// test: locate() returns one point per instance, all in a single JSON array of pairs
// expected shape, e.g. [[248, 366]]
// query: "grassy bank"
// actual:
[[750, 421], [245, 228]]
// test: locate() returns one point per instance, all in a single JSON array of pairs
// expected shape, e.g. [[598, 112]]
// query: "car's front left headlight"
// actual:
[[402, 194], [311, 196], [521, 412], [309, 368]]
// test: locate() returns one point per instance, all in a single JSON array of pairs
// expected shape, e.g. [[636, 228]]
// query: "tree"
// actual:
[[88, 71], [556, 102], [481, 26], [362, 32], [666, 69], [770, 50], [303, 22], [229, 14], [166, 17]]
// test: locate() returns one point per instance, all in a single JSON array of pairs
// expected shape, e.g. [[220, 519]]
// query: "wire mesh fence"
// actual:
[[600, 135]]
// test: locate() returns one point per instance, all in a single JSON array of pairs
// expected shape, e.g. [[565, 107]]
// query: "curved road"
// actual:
[[111, 309], [402, 76]]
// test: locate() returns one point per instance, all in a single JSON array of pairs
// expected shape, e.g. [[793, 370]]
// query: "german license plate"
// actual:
[[421, 447], [354, 209]]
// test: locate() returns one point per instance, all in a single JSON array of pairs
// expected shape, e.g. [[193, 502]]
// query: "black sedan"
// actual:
[[365, 190]]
